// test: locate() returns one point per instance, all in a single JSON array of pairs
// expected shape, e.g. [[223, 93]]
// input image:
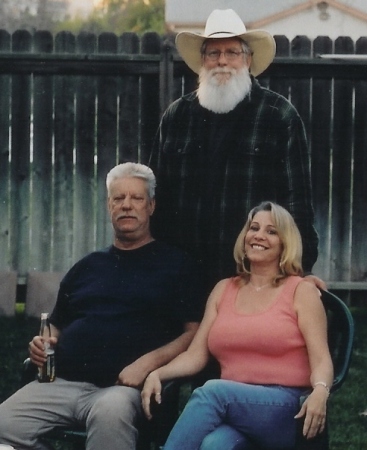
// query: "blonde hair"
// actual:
[[134, 170], [290, 262]]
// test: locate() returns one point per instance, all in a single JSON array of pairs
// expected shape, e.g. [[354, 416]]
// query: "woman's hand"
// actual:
[[152, 386], [314, 410]]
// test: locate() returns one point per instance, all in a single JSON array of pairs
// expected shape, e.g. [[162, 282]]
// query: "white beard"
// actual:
[[221, 89]]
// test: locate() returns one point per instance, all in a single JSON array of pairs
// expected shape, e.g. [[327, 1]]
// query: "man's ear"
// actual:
[[152, 206], [249, 61], [108, 203]]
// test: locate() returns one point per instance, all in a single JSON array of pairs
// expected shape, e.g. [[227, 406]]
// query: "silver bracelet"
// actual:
[[322, 383]]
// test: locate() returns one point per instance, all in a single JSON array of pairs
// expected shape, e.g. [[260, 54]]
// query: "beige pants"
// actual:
[[109, 414]]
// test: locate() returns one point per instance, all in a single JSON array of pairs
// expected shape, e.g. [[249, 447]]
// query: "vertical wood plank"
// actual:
[[281, 85], [359, 212], [321, 147], [64, 126], [166, 82], [42, 167], [20, 159], [106, 139], [301, 87], [129, 132], [6, 228], [85, 139], [150, 110], [343, 146]]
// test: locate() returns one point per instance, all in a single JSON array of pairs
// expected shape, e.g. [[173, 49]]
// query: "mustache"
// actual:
[[217, 70]]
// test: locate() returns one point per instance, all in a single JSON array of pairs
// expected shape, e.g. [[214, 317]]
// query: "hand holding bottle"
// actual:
[[42, 351], [37, 350]]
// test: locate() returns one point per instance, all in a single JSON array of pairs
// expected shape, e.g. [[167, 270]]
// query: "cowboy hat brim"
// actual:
[[261, 43]]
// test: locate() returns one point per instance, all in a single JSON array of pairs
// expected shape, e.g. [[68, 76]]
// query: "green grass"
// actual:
[[348, 431]]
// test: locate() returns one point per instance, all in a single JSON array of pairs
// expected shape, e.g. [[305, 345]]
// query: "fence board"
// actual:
[[321, 145], [90, 106], [107, 110], [129, 105], [281, 85], [5, 228], [85, 132], [64, 120], [42, 164], [150, 106], [359, 217], [343, 147], [20, 159], [300, 89]]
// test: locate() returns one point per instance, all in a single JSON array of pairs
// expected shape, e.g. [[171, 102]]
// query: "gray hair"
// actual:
[[132, 170]]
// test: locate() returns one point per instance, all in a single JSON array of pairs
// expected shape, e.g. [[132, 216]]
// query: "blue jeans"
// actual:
[[230, 415]]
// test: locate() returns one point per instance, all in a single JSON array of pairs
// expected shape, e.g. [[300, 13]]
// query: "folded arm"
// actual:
[[134, 374]]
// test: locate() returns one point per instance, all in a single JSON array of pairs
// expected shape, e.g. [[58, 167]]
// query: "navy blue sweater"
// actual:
[[114, 306]]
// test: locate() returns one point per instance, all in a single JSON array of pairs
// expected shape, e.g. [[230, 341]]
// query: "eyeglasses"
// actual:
[[230, 55]]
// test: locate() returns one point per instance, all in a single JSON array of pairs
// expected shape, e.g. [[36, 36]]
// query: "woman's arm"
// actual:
[[313, 325], [191, 361]]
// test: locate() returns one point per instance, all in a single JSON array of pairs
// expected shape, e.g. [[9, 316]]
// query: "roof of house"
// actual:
[[257, 14]]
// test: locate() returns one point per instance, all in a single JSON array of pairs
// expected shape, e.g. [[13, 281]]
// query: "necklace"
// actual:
[[258, 288]]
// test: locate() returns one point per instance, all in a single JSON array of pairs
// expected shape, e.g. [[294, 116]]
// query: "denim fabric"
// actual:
[[230, 415]]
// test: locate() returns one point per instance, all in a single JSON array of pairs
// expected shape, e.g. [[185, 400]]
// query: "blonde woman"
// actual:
[[267, 329]]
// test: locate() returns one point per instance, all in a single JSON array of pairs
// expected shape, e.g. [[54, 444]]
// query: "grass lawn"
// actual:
[[348, 431]]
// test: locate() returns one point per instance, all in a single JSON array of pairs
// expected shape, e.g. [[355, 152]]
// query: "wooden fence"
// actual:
[[71, 107]]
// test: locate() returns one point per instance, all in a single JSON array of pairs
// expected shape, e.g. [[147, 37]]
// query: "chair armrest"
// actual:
[[165, 414]]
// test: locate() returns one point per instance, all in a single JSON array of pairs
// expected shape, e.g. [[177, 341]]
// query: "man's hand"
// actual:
[[37, 350], [318, 282], [133, 375]]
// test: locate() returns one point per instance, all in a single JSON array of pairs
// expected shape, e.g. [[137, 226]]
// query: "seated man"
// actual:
[[120, 313]]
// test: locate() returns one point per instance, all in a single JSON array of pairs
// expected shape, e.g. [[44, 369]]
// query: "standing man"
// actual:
[[228, 146], [120, 313]]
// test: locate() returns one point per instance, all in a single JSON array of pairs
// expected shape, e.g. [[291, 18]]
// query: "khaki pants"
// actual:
[[109, 414]]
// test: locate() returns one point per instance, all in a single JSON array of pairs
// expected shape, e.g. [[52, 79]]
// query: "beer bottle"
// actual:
[[46, 373]]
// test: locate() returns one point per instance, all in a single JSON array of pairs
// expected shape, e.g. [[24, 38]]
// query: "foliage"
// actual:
[[115, 16], [119, 16], [35, 15]]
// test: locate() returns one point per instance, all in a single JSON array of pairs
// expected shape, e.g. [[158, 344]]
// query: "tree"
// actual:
[[118, 16], [31, 14]]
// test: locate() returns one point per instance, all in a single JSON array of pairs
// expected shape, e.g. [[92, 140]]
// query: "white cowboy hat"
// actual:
[[226, 24]]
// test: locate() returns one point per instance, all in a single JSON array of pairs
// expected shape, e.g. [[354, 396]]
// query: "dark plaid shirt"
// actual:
[[213, 168]]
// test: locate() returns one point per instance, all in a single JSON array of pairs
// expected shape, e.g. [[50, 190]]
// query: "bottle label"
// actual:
[[46, 373]]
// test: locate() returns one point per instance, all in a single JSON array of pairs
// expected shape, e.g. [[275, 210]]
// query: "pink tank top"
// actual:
[[261, 348]]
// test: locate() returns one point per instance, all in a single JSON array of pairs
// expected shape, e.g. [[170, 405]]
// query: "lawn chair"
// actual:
[[340, 340], [155, 432]]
